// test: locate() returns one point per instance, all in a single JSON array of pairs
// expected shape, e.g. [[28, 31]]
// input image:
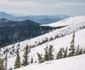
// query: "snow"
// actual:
[[64, 31], [74, 24], [62, 42], [71, 63], [79, 23], [68, 21]]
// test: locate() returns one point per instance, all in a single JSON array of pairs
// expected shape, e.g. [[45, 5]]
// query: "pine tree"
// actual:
[[77, 51], [72, 46], [84, 51], [6, 59], [17, 62], [10, 69], [80, 51], [50, 51], [46, 56], [13, 50], [60, 53], [31, 60], [65, 53], [1, 65], [26, 52], [40, 58]]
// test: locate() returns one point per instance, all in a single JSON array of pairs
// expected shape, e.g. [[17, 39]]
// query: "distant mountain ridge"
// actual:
[[14, 31], [43, 19], [5, 22], [16, 28]]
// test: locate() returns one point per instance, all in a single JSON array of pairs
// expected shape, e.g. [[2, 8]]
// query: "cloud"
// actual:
[[48, 1], [73, 4], [39, 8], [34, 4]]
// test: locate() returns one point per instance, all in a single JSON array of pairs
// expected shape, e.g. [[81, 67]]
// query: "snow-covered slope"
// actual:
[[58, 32], [79, 23], [61, 38], [72, 63], [62, 42], [68, 21]]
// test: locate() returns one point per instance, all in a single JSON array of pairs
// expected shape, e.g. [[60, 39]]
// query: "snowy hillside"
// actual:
[[62, 42], [72, 63], [68, 21], [78, 25], [59, 38]]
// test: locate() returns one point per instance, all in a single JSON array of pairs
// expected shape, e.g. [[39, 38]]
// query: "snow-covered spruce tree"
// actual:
[[77, 50], [13, 49], [25, 56], [50, 52], [40, 58], [65, 53], [1, 65], [72, 46], [46, 55], [84, 51], [17, 62], [80, 51], [60, 53], [6, 58], [31, 60], [10, 69]]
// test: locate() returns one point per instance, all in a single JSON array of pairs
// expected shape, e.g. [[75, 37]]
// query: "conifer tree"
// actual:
[[31, 60], [65, 53], [50, 52], [60, 53], [17, 62], [84, 51], [26, 52], [77, 51], [80, 51], [10, 69], [6, 58], [1, 65], [40, 58], [72, 46], [46, 55]]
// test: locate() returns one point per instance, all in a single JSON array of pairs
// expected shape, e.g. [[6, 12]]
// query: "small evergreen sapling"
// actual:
[[77, 51], [60, 53], [17, 62], [40, 58], [72, 46], [2, 65], [50, 52], [65, 52], [46, 55], [26, 52], [31, 60]]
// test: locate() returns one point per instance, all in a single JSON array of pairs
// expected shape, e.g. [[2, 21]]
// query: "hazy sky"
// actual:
[[43, 7]]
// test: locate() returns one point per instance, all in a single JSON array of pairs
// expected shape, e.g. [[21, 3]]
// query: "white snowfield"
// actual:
[[71, 63], [62, 42], [74, 24], [57, 44], [68, 21]]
